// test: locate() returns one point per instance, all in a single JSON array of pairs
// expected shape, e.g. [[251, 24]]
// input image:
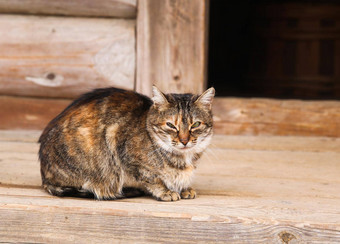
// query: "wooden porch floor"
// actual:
[[251, 190]]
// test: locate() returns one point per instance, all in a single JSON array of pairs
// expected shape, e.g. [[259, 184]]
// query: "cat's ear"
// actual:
[[206, 99], [158, 97]]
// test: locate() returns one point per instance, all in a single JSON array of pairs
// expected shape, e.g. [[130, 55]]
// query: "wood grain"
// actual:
[[19, 135], [258, 193], [64, 57], [230, 169], [232, 116], [29, 113], [171, 45], [102, 8], [46, 219], [264, 143], [276, 117], [275, 143]]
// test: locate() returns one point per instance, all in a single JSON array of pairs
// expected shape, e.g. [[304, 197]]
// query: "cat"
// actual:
[[112, 142]]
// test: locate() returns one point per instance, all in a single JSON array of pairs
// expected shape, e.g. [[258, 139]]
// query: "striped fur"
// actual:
[[111, 142]]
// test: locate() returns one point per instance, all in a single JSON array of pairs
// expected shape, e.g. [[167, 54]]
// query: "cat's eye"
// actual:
[[171, 125], [196, 124]]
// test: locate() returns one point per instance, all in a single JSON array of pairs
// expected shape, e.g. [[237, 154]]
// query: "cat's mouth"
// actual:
[[186, 147]]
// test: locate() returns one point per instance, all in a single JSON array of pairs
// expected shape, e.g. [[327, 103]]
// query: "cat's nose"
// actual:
[[184, 141]]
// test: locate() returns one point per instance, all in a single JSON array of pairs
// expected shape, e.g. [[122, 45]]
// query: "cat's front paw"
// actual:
[[169, 196], [188, 194]]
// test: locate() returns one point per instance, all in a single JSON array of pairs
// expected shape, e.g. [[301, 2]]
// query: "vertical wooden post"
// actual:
[[172, 45]]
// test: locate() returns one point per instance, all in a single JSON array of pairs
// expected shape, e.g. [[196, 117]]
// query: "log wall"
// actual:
[[64, 56], [235, 116], [232, 116], [102, 8], [52, 57]]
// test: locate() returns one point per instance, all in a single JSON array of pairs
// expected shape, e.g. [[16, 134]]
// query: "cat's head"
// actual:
[[181, 123]]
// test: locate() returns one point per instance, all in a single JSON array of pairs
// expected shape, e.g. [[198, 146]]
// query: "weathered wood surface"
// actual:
[[267, 191], [102, 8], [268, 156], [206, 219], [171, 45], [265, 143], [233, 116], [64, 57], [277, 117], [29, 113]]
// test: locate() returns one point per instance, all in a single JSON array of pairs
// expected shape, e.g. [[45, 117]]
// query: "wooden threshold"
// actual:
[[255, 116], [251, 189]]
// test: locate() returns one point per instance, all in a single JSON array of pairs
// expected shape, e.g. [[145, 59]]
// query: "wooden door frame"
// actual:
[[172, 45], [164, 60]]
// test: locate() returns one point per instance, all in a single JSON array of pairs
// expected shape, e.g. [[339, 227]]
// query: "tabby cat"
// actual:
[[113, 143]]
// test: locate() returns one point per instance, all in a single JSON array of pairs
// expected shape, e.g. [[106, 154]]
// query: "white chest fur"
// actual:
[[177, 180]]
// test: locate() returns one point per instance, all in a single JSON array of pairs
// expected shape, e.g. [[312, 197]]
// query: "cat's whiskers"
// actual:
[[208, 154]]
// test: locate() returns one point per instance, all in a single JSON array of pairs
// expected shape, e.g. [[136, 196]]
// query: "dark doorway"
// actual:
[[275, 49]]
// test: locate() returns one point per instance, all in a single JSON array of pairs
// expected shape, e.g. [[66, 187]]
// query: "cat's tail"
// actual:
[[62, 191]]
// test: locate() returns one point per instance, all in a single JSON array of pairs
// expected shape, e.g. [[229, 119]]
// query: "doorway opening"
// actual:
[[275, 49]]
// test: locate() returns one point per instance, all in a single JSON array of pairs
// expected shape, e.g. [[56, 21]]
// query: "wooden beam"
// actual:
[[232, 116], [102, 8], [29, 113], [171, 45], [64, 57], [264, 143], [276, 117]]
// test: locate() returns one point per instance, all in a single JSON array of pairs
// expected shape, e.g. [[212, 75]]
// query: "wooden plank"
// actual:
[[276, 117], [233, 116], [29, 113], [102, 8], [228, 172], [269, 173], [254, 193], [245, 166], [19, 135], [171, 45], [228, 219], [277, 143], [262, 143], [19, 164], [64, 57]]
